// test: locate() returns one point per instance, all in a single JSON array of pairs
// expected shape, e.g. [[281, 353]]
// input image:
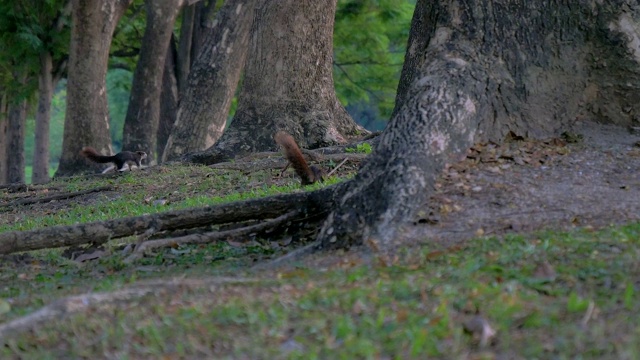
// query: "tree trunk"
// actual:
[[485, 70], [185, 45], [141, 123], [87, 116], [204, 22], [17, 116], [4, 121], [168, 98], [206, 100], [197, 21], [288, 83], [40, 173], [288, 80]]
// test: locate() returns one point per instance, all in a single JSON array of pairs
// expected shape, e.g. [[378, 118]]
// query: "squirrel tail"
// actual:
[[91, 154], [308, 174]]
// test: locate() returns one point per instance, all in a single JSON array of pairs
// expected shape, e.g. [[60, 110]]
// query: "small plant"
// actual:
[[364, 148]]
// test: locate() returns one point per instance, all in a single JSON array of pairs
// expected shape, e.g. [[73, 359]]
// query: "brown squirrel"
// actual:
[[120, 159], [308, 174]]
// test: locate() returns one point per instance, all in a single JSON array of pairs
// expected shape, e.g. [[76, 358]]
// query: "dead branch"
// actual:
[[337, 167], [237, 235], [101, 231], [35, 200]]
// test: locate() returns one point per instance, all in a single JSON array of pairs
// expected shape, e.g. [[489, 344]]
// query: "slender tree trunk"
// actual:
[[87, 115], [4, 121], [206, 100], [484, 70], [17, 116], [141, 124], [168, 99], [204, 22], [40, 173], [185, 45]]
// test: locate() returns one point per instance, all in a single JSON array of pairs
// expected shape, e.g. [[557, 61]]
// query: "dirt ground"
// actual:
[[591, 178]]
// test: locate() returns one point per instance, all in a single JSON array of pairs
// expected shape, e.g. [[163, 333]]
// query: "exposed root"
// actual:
[[236, 235], [62, 308]]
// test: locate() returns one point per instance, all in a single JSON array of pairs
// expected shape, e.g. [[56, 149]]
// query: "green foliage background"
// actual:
[[369, 44]]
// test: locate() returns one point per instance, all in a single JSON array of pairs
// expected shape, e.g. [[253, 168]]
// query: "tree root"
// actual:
[[238, 235], [65, 307], [305, 204]]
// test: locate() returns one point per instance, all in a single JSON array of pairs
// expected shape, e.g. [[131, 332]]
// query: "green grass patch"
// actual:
[[139, 195], [414, 308]]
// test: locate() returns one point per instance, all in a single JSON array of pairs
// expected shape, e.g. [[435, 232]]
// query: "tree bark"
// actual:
[[50, 73], [17, 117], [212, 81], [168, 98], [4, 121], [40, 173], [204, 21], [185, 45], [87, 116], [288, 83], [141, 123], [488, 70], [422, 28], [198, 19]]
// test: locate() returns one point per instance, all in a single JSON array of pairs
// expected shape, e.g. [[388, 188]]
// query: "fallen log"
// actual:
[[102, 231]]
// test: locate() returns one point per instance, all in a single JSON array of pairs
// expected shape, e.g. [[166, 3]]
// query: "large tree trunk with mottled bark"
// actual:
[[87, 116], [206, 99], [143, 114], [484, 70], [17, 117], [288, 83]]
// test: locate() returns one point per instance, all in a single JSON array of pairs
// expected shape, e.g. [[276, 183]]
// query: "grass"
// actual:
[[414, 306], [134, 203]]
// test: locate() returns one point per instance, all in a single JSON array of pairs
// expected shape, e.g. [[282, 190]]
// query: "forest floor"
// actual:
[[588, 178], [528, 249]]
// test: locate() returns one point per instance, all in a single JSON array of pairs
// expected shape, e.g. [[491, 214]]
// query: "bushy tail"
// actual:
[[91, 154]]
